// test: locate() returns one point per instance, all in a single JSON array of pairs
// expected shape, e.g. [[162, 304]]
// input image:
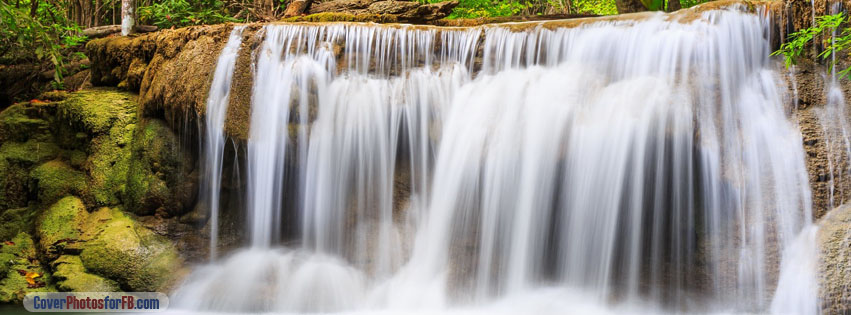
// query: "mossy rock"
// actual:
[[18, 124], [96, 110], [55, 179], [157, 172], [17, 259], [134, 256], [59, 226], [14, 188], [14, 221], [109, 163], [28, 153], [71, 276]]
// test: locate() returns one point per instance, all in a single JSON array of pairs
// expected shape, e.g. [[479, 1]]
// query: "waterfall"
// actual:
[[624, 165], [214, 141]]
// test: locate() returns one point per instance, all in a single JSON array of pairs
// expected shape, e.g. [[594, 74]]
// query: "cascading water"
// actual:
[[649, 162], [214, 142]]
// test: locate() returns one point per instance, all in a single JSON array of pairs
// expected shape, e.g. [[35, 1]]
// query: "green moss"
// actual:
[[71, 276], [153, 168], [108, 164], [96, 110], [56, 95], [14, 188], [28, 153], [55, 179], [122, 245], [21, 256], [60, 224], [14, 221], [77, 158], [16, 123]]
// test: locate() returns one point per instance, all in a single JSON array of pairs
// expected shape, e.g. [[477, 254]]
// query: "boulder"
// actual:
[[159, 173], [132, 255], [54, 179]]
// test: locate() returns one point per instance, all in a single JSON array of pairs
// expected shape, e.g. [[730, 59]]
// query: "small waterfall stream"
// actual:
[[214, 141], [624, 166]]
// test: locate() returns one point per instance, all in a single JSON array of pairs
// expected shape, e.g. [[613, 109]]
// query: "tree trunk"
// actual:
[[98, 8], [128, 17], [629, 6], [34, 8], [106, 30], [674, 5]]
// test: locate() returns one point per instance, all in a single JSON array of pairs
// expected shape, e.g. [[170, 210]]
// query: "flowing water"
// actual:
[[619, 166], [214, 141]]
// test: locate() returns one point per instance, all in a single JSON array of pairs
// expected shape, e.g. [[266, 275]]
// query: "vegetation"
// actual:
[[838, 40], [35, 33], [178, 13]]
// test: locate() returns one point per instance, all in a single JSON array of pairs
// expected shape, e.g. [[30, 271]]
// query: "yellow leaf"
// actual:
[[30, 276]]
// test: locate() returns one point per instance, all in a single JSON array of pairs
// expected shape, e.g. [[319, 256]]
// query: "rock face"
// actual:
[[74, 168], [404, 11], [834, 238]]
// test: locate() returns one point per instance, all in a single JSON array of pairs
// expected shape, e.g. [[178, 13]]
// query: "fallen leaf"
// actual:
[[22, 272], [10, 243], [36, 101], [30, 277]]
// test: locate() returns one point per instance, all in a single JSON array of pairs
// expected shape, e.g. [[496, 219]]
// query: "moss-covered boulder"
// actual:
[[14, 221], [18, 124], [54, 179], [96, 110], [137, 258], [108, 164], [70, 275], [28, 153], [60, 226], [25, 141], [158, 173], [20, 270]]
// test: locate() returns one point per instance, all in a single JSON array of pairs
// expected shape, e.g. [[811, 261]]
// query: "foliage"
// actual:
[[597, 7], [178, 13], [793, 49], [468, 9], [45, 36]]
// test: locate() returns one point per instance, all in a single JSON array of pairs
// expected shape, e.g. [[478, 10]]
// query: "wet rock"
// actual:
[[834, 239], [158, 180], [121, 245]]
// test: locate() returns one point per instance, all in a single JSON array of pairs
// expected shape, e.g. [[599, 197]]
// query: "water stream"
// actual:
[[622, 166]]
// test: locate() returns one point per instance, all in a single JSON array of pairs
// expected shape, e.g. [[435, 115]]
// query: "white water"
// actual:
[[214, 137], [623, 167]]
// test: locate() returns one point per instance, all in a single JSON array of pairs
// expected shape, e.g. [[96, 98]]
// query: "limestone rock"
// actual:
[[134, 256], [834, 238], [405, 11], [158, 173]]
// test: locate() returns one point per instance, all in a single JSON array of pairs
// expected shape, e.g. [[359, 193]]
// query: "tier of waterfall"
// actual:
[[616, 165]]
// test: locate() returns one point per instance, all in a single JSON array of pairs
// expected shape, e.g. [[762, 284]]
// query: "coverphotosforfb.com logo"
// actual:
[[95, 302]]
